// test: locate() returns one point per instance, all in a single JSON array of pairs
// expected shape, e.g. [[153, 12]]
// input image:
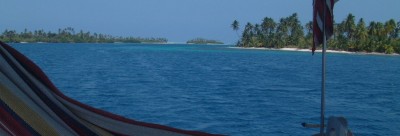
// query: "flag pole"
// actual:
[[323, 72]]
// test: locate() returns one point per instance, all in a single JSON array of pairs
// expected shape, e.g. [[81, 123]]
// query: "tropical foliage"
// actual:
[[68, 35], [348, 35]]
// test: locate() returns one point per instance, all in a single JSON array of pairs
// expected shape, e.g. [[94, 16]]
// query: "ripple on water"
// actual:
[[227, 91]]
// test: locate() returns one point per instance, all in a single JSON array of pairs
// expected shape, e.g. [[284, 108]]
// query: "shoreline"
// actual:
[[309, 50]]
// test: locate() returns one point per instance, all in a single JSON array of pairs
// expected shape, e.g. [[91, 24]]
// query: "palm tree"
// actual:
[[282, 35], [372, 28], [390, 28], [350, 26], [373, 38], [268, 26], [309, 36], [381, 32], [376, 31], [235, 26], [361, 34], [296, 30], [247, 34], [259, 36], [361, 30]]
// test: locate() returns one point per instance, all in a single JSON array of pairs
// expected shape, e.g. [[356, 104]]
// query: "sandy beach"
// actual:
[[309, 50]]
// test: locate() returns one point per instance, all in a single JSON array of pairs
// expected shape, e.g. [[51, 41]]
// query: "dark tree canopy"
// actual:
[[348, 35], [69, 35]]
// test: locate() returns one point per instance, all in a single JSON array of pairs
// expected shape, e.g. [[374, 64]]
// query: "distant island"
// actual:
[[380, 37], [69, 35], [203, 41]]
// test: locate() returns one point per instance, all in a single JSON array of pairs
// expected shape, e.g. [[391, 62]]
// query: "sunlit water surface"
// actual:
[[223, 90]]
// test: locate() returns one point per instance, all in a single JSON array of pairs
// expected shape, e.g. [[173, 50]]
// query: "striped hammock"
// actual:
[[31, 105]]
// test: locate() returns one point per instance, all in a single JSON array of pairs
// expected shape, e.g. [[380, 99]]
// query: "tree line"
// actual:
[[348, 35], [69, 35], [203, 41]]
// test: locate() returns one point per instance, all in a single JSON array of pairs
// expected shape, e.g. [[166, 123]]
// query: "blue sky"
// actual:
[[176, 20]]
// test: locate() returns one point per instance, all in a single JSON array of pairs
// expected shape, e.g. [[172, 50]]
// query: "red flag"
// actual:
[[319, 20]]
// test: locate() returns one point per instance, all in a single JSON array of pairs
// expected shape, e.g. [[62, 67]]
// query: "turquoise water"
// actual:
[[227, 91]]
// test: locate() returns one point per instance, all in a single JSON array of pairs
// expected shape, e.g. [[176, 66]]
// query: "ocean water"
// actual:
[[228, 91]]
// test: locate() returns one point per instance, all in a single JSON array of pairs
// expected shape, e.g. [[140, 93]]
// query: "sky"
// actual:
[[176, 20]]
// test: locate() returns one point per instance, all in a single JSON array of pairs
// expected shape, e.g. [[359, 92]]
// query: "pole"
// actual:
[[323, 73]]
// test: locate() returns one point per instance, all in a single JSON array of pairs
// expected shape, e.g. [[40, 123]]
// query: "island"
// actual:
[[348, 35], [69, 35], [203, 41]]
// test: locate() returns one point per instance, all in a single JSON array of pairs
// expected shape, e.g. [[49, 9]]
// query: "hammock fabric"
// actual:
[[31, 105]]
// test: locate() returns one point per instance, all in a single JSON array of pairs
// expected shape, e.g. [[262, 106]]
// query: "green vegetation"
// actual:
[[68, 35], [203, 41], [348, 36]]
